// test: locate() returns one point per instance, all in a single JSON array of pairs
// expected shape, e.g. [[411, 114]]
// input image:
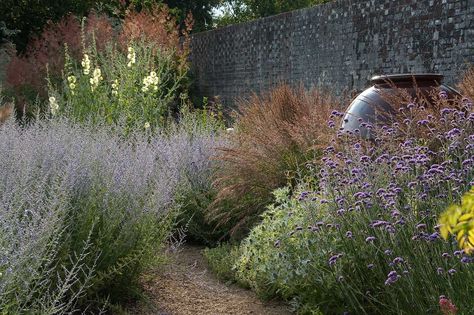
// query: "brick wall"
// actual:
[[339, 45]]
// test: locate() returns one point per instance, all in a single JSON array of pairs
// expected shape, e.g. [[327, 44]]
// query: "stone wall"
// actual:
[[339, 45]]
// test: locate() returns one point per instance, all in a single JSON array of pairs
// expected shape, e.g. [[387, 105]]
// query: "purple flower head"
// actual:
[[411, 185], [349, 234], [433, 237], [333, 259], [439, 270], [392, 277], [388, 252], [370, 239], [379, 223], [452, 271], [466, 260], [370, 266], [423, 122], [421, 226], [398, 260]]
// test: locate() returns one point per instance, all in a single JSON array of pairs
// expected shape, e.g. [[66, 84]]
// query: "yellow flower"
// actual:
[[151, 82], [53, 105], [86, 64], [96, 78], [131, 57], [147, 125], [71, 79], [115, 85], [458, 220]]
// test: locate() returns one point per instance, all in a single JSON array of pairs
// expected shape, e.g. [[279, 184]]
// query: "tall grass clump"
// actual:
[[466, 85], [369, 241], [274, 136], [84, 211]]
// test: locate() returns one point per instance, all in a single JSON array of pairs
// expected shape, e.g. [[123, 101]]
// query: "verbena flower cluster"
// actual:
[[83, 211], [388, 193], [368, 240]]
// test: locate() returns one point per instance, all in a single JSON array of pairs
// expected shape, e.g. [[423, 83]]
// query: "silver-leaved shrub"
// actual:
[[83, 210]]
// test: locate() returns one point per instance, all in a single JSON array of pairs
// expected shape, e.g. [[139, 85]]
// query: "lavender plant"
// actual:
[[381, 248], [83, 211]]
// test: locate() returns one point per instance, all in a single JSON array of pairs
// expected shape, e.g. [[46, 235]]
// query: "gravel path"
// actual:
[[188, 287]]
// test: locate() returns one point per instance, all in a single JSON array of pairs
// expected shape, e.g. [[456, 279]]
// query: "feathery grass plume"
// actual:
[[275, 135], [84, 211], [466, 86]]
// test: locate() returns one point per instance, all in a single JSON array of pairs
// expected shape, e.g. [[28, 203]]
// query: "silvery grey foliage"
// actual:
[[61, 182]]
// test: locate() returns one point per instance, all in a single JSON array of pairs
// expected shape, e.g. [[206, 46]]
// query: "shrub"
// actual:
[[275, 135], [152, 34], [221, 260], [195, 191], [378, 250], [138, 85], [284, 254], [84, 211]]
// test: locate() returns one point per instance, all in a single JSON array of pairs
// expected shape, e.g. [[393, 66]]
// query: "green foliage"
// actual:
[[30, 16], [6, 33], [237, 11], [458, 220], [286, 257], [121, 244], [221, 260]]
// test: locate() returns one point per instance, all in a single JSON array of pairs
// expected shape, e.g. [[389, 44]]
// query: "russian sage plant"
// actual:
[[83, 210]]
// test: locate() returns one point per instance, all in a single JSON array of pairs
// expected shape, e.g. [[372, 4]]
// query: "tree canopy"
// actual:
[[237, 11]]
